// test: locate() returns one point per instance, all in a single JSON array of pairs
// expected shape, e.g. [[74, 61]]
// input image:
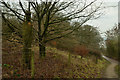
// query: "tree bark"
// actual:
[[27, 58], [96, 60], [27, 41], [42, 50], [81, 57]]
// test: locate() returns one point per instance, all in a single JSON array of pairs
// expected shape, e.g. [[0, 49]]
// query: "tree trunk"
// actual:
[[81, 57], [32, 65], [27, 41], [27, 58], [96, 60], [42, 50], [69, 58]]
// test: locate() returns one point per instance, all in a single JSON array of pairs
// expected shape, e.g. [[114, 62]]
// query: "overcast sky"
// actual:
[[109, 19], [106, 21]]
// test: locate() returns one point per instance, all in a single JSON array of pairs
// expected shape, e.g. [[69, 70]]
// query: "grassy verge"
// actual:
[[56, 64], [107, 63], [117, 70], [82, 68]]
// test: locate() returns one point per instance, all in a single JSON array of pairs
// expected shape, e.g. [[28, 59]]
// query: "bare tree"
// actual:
[[50, 13], [24, 31], [55, 12]]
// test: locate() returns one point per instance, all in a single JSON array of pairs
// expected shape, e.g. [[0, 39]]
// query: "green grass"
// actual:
[[107, 63], [117, 70]]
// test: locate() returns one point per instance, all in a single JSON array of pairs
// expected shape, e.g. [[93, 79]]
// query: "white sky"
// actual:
[[109, 19], [106, 21]]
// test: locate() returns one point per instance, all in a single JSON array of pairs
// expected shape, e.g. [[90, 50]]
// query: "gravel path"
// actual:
[[110, 71]]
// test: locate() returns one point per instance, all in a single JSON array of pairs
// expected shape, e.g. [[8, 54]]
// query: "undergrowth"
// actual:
[[117, 70], [81, 68], [57, 64]]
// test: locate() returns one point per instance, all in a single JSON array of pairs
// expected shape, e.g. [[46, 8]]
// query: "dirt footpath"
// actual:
[[110, 70]]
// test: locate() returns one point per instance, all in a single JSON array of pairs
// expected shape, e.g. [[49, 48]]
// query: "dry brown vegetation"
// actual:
[[54, 65]]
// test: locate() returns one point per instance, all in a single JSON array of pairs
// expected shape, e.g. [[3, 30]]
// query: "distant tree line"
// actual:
[[112, 42]]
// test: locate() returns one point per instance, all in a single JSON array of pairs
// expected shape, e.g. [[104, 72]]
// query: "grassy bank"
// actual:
[[82, 68], [117, 70], [56, 64]]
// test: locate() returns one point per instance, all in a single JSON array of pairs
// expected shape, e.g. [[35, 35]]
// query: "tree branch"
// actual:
[[22, 6], [48, 18], [68, 32]]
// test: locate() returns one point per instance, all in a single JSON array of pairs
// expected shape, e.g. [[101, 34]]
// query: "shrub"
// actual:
[[96, 53], [53, 43], [81, 50]]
